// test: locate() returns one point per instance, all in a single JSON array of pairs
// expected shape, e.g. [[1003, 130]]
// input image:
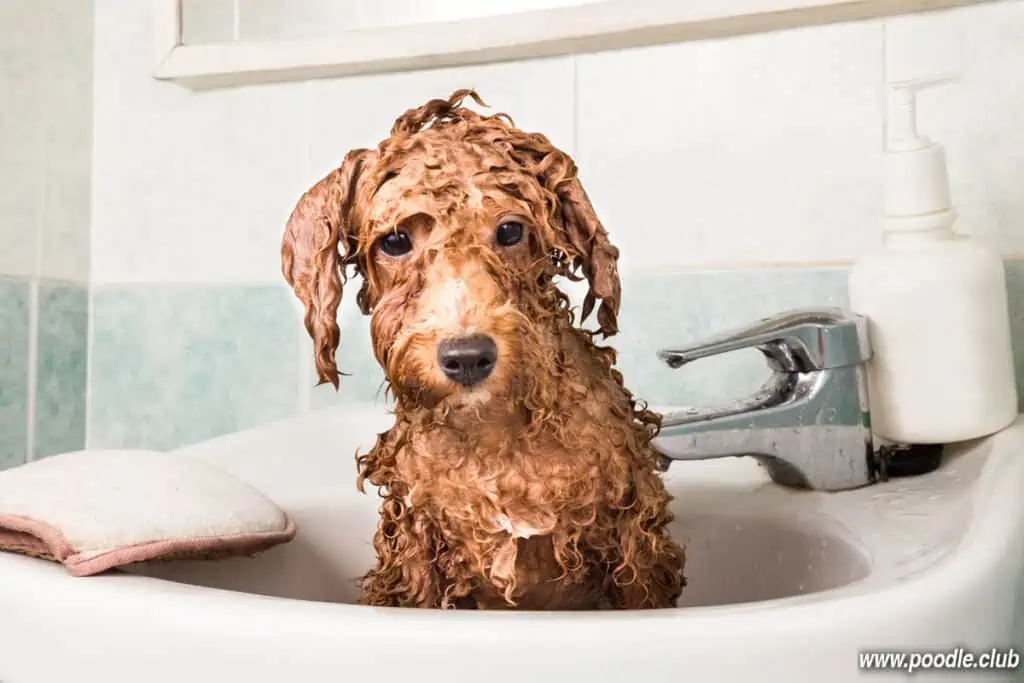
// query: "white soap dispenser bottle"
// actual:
[[942, 368]]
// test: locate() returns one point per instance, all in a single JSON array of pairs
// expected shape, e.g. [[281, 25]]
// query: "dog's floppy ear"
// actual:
[[591, 251], [319, 242]]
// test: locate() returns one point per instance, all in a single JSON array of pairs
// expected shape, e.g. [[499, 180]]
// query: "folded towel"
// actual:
[[94, 510]]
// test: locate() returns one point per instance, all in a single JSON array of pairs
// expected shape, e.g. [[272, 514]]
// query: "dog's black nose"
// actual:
[[468, 360]]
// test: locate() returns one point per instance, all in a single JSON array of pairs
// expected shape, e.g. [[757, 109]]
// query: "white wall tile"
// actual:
[[979, 118], [45, 137], [748, 150], [21, 108], [359, 112], [188, 186], [924, 45], [67, 48]]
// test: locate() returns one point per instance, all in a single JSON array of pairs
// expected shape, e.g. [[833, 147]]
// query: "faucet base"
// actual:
[[826, 458]]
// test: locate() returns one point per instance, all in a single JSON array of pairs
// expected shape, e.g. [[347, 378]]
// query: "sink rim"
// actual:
[[979, 549], [744, 475], [981, 529]]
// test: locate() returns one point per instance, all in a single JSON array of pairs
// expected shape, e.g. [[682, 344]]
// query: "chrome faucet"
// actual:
[[809, 424]]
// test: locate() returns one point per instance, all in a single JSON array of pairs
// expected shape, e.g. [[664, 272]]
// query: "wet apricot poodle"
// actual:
[[519, 472]]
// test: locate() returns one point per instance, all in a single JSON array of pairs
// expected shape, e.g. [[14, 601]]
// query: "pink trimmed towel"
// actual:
[[94, 510]]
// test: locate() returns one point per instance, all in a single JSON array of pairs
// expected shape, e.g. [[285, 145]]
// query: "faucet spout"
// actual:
[[809, 424]]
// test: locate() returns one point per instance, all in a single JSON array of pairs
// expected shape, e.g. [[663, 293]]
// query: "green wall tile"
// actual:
[[61, 364], [14, 376], [173, 365]]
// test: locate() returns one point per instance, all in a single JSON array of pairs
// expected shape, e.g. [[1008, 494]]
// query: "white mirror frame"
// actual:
[[611, 24]]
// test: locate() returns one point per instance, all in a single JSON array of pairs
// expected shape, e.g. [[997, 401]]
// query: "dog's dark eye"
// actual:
[[396, 244], [509, 233]]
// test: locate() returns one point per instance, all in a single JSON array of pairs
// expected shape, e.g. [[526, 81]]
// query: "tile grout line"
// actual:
[[90, 326], [884, 100], [37, 270], [70, 281], [90, 284], [33, 370]]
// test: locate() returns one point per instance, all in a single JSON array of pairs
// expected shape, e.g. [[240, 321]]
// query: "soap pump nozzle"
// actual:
[[904, 133], [916, 181]]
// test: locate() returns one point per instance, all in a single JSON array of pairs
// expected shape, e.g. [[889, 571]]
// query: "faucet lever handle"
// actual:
[[798, 340]]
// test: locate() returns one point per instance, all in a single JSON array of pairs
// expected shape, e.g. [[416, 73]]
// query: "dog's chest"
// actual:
[[540, 581], [503, 512]]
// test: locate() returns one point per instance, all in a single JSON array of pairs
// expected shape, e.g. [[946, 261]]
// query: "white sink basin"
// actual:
[[735, 559], [784, 585]]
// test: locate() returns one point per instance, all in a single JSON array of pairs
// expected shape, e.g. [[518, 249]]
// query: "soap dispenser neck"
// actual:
[[931, 227], [916, 183]]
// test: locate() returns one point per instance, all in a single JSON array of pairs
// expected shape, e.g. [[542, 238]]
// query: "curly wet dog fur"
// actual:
[[533, 487]]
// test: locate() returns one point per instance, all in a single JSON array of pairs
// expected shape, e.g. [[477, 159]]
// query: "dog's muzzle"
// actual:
[[467, 360]]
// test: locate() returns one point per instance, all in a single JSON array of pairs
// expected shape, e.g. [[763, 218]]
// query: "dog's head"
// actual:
[[458, 225]]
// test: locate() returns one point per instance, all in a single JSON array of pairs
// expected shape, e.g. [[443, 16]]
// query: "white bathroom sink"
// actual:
[[733, 557], [736, 552], [784, 585]]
